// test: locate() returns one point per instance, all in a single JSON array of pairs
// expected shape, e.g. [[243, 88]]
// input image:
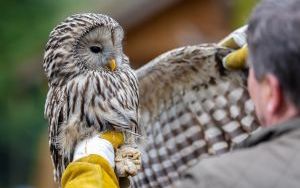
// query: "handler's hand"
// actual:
[[236, 41]]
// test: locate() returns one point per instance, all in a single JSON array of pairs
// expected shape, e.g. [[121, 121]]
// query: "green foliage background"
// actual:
[[241, 11], [23, 26], [24, 29]]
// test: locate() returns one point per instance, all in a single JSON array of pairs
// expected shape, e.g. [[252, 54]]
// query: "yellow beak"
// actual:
[[112, 64]]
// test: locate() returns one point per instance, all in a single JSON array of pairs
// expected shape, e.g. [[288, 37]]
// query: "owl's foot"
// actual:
[[128, 161]]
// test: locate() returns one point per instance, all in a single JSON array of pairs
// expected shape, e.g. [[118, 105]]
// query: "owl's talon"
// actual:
[[128, 161]]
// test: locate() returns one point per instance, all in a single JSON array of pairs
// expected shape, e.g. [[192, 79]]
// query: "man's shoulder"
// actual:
[[255, 166]]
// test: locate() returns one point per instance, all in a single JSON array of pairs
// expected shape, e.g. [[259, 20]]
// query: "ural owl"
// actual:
[[91, 85]]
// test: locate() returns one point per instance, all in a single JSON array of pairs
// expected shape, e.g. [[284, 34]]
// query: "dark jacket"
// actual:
[[271, 160]]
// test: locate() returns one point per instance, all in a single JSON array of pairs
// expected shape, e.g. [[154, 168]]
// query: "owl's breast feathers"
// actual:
[[92, 100], [105, 100]]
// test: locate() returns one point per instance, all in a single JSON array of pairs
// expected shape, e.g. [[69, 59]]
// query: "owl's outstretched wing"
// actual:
[[189, 106]]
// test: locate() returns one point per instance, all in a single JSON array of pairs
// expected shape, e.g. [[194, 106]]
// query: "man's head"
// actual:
[[274, 48]]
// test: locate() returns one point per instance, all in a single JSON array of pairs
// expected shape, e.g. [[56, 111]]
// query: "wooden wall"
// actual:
[[187, 22]]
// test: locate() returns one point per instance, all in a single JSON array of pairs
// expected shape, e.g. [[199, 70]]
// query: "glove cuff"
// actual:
[[95, 145]]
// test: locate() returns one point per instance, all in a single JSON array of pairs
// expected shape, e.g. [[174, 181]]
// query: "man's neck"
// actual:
[[281, 117]]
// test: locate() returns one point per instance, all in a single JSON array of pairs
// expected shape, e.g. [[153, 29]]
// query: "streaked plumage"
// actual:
[[84, 96], [190, 107]]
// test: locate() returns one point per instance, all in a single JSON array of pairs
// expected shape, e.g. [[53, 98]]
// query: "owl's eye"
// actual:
[[95, 49]]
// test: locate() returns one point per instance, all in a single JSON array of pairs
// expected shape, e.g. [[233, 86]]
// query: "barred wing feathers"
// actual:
[[189, 107]]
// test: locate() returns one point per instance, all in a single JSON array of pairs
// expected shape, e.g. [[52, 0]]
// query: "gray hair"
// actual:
[[274, 44]]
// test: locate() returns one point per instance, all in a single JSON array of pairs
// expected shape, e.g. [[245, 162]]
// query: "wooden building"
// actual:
[[171, 25]]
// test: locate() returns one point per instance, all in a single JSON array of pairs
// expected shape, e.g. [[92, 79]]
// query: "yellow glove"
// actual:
[[237, 41], [97, 159], [94, 162], [114, 137]]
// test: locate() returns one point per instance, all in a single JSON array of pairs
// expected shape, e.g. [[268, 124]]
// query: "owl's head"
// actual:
[[83, 42]]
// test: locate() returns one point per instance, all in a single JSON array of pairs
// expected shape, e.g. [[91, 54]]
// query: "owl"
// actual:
[[92, 88], [190, 108]]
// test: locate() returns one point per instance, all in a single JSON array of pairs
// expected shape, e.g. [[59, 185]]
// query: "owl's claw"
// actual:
[[128, 161]]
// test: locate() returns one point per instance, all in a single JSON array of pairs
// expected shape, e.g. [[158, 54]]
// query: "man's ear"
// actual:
[[272, 93]]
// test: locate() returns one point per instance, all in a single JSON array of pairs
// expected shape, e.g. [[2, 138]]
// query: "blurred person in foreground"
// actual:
[[272, 156]]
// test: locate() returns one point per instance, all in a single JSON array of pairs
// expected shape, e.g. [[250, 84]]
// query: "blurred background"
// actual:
[[152, 27]]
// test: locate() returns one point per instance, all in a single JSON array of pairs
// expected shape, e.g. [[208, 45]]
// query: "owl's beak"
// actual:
[[112, 64]]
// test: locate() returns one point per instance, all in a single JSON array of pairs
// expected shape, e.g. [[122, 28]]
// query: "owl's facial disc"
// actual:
[[111, 64], [99, 49]]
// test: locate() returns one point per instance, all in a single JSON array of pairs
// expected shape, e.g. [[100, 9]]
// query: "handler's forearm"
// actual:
[[92, 171]]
